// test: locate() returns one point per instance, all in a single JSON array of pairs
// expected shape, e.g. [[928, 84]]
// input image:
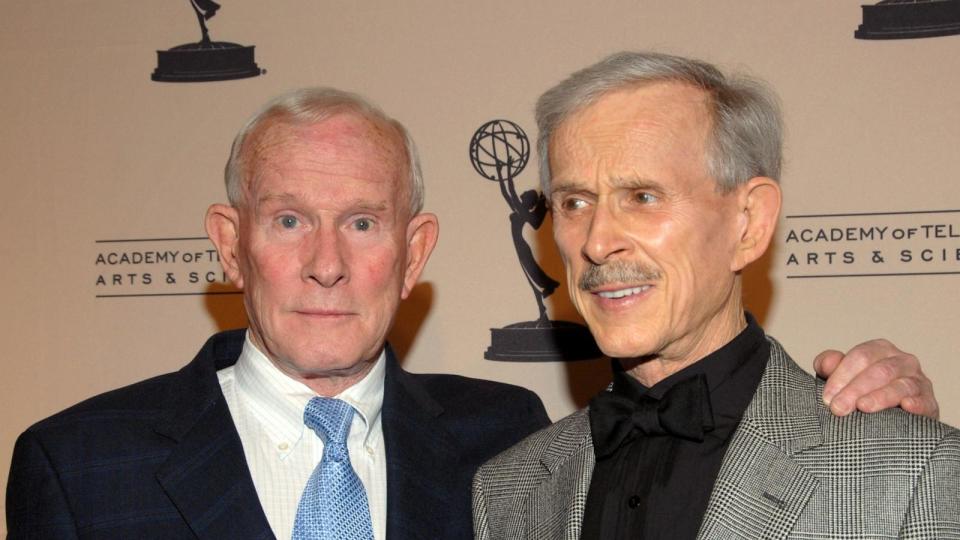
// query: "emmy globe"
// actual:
[[499, 151]]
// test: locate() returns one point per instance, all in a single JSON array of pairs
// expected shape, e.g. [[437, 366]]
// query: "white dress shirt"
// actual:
[[267, 407]]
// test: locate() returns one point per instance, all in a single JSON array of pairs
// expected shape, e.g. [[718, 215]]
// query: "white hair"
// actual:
[[747, 136], [312, 106]]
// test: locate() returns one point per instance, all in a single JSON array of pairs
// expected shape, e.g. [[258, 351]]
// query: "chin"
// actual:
[[625, 344], [326, 359], [615, 348]]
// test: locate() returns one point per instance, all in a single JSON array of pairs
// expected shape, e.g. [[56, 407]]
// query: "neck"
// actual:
[[706, 338], [323, 380], [332, 384]]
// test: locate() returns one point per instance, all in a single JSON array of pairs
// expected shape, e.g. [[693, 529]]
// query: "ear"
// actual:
[[422, 233], [759, 207], [223, 228]]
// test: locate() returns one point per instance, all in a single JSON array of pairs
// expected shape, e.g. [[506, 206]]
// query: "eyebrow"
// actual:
[[277, 197], [566, 187], [619, 182], [290, 198], [373, 207], [635, 182]]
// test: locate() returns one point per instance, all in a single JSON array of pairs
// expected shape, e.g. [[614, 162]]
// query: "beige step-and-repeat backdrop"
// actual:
[[107, 279]]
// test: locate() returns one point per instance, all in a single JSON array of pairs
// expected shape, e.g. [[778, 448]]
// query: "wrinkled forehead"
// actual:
[[343, 143], [670, 106], [649, 122]]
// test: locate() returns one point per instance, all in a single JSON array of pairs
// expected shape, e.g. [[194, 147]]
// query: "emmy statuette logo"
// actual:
[[206, 60], [499, 151], [907, 19]]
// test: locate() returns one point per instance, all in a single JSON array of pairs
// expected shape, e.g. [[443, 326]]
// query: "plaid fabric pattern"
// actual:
[[538, 488], [792, 470]]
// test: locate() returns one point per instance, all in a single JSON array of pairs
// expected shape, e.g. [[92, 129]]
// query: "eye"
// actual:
[[645, 197], [288, 222], [572, 204], [363, 224]]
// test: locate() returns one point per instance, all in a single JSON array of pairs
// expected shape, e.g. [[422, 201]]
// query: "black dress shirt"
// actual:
[[658, 486]]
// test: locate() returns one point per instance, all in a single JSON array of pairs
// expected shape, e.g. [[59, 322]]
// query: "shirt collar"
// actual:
[[281, 400]]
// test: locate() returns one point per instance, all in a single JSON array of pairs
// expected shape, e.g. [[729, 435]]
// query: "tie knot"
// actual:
[[330, 419]]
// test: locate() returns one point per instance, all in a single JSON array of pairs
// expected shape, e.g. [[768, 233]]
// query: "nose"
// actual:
[[324, 258], [605, 239]]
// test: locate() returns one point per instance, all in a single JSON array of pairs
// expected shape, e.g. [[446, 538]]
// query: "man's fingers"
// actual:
[[889, 382], [891, 395], [925, 405], [839, 370], [826, 362], [856, 377], [919, 398]]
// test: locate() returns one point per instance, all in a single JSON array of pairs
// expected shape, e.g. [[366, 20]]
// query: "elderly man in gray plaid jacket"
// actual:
[[662, 175]]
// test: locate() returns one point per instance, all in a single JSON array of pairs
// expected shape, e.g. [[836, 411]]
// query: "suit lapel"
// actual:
[[555, 507], [761, 490], [206, 475], [423, 463]]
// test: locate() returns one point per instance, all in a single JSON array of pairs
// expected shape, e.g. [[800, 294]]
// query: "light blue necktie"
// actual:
[[334, 504]]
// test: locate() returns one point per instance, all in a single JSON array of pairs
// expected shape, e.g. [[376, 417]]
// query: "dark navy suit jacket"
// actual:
[[162, 458]]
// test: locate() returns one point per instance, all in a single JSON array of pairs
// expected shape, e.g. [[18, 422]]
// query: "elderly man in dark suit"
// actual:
[[325, 235], [662, 177], [304, 425]]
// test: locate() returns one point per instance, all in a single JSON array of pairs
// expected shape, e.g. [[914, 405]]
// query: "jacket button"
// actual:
[[633, 501]]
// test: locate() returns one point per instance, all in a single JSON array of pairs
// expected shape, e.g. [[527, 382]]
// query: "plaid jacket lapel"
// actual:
[[761, 490], [537, 490], [555, 508]]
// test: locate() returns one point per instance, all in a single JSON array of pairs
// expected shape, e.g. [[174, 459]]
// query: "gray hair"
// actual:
[[747, 128], [311, 106]]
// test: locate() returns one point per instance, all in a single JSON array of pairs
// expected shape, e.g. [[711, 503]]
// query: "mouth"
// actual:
[[323, 313], [614, 294], [623, 293]]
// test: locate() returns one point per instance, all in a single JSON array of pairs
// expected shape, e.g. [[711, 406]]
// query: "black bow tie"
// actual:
[[683, 411]]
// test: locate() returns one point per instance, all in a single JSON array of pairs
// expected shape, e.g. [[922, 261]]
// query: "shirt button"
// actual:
[[283, 446], [633, 501], [369, 451]]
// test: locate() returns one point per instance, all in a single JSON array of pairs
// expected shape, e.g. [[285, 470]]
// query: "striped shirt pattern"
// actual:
[[267, 407]]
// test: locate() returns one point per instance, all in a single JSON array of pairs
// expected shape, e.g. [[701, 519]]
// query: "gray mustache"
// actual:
[[596, 276]]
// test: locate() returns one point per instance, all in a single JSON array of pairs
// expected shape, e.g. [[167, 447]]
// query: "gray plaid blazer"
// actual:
[[792, 470]]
